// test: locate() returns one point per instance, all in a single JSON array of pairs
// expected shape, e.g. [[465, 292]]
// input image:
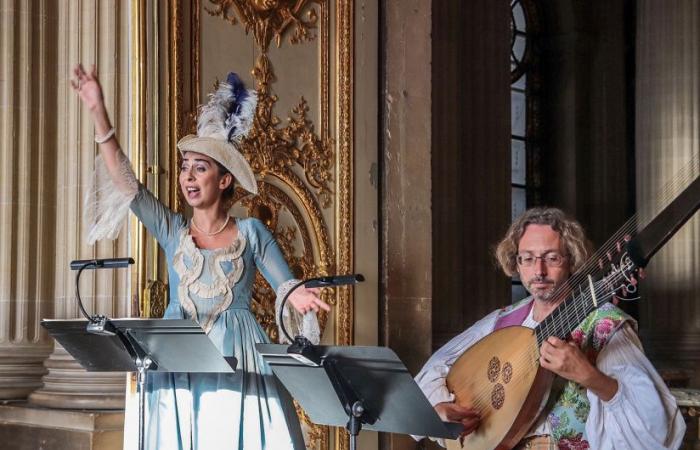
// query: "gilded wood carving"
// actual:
[[270, 19]]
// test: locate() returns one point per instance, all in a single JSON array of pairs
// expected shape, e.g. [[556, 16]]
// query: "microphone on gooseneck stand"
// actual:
[[334, 280], [107, 263], [96, 324], [302, 349]]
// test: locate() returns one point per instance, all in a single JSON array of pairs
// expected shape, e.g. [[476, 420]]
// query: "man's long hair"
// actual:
[[573, 238]]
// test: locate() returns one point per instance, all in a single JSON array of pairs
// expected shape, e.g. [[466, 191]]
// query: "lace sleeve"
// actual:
[[294, 322], [106, 203]]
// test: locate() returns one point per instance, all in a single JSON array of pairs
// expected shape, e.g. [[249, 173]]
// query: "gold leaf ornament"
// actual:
[[269, 19]]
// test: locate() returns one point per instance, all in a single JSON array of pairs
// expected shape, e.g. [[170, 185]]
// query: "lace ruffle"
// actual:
[[295, 323], [221, 284], [106, 202]]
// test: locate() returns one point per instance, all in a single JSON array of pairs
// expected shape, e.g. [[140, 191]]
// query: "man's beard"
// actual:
[[546, 295]]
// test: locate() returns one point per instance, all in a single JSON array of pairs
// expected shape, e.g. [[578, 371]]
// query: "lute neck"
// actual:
[[581, 299], [583, 294]]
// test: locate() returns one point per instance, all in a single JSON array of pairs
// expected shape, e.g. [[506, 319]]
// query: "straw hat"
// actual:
[[222, 123]]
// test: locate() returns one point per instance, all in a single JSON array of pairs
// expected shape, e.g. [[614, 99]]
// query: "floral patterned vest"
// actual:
[[569, 411]]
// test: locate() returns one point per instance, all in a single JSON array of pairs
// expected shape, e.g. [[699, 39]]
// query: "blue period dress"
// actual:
[[249, 409]]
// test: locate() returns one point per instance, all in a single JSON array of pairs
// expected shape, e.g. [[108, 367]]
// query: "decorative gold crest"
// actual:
[[274, 150], [270, 18]]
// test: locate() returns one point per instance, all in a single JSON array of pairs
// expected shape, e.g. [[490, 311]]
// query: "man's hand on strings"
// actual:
[[565, 359], [305, 300], [568, 361], [452, 412]]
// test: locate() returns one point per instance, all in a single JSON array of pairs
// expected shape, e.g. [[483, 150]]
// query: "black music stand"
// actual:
[[357, 387], [140, 345]]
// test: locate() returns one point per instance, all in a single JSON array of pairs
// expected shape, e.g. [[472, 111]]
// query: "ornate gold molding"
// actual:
[[270, 149], [184, 84], [155, 299], [137, 141], [344, 166], [344, 169], [270, 18]]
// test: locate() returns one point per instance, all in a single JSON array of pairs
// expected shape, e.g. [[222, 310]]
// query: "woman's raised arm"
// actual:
[[88, 87], [114, 185]]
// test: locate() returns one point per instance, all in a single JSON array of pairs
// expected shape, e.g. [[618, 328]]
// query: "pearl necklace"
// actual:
[[213, 233]]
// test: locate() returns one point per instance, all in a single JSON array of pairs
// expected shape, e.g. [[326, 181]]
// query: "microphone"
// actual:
[[301, 348], [107, 263], [334, 280], [96, 324]]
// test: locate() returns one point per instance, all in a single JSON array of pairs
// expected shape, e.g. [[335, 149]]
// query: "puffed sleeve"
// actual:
[[271, 263], [643, 413], [160, 221], [106, 203]]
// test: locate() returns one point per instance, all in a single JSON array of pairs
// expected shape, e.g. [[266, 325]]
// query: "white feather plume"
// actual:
[[215, 121]]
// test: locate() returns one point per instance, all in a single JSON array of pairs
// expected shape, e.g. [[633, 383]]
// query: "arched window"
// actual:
[[525, 124]]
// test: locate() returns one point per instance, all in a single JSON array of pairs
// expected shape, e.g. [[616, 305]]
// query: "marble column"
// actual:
[[667, 128], [92, 33], [27, 207]]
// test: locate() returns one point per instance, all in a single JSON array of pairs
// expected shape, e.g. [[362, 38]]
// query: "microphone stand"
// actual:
[[101, 325]]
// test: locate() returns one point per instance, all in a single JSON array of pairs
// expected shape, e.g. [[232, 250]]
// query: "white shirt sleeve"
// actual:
[[643, 413], [432, 377]]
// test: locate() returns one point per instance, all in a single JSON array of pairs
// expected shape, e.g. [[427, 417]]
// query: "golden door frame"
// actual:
[[335, 253]]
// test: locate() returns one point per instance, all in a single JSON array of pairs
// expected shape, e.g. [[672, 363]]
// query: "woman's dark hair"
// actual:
[[230, 191]]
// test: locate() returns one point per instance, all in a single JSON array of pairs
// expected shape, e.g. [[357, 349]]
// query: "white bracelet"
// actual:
[[106, 137]]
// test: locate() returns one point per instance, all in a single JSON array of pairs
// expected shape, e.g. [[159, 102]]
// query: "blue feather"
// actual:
[[238, 92], [238, 95]]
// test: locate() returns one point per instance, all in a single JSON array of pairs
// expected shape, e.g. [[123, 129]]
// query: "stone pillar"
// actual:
[[667, 137], [405, 191], [90, 32], [27, 208]]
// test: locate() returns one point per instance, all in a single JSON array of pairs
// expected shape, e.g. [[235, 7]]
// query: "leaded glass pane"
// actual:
[[517, 113], [519, 201], [521, 83], [518, 16], [518, 161], [519, 48]]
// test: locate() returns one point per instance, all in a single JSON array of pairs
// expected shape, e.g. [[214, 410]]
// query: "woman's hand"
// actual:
[[88, 88], [305, 300]]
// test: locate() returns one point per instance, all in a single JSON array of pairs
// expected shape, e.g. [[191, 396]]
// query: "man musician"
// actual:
[[612, 398]]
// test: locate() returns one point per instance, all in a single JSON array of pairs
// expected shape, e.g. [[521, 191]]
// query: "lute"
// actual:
[[500, 375]]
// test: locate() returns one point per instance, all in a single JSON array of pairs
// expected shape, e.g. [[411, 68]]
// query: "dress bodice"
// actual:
[[212, 281], [206, 283]]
